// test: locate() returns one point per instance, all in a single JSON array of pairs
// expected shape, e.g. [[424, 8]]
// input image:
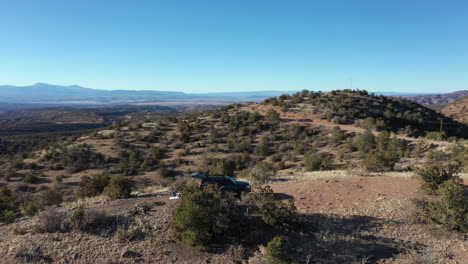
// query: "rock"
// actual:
[[262, 250]]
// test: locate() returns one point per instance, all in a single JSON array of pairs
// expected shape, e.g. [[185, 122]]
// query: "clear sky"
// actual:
[[236, 45]]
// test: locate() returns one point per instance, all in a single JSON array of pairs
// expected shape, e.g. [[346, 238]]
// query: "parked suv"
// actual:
[[226, 183]]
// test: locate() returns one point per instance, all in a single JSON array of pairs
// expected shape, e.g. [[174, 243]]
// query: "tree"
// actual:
[[365, 142], [276, 251], [119, 187], [272, 116], [317, 161], [195, 217], [337, 135], [433, 175], [380, 161], [93, 186], [450, 209]]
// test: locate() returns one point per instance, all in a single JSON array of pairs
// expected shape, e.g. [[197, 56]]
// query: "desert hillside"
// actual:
[[336, 178], [434, 99], [458, 110]]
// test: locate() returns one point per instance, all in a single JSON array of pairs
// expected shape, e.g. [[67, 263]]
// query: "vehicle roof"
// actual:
[[217, 178]]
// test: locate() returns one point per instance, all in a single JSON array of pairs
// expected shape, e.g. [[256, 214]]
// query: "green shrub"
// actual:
[[31, 210], [165, 172], [272, 116], [317, 161], [8, 216], [78, 215], [93, 186], [365, 142], [195, 216], [205, 216], [94, 222], [276, 251], [378, 161], [119, 187], [59, 178], [51, 197], [436, 135], [337, 136], [433, 175], [449, 208], [8, 204], [275, 212], [31, 179], [222, 167], [262, 172], [263, 149]]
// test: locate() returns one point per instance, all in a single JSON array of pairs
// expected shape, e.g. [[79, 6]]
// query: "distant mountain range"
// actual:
[[49, 94], [433, 99], [56, 94]]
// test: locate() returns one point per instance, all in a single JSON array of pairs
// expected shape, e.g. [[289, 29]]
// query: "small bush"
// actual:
[[317, 161], [94, 222], [262, 172], [50, 221], [276, 251], [236, 254], [433, 175], [378, 161], [195, 216], [31, 179], [125, 235], [204, 216], [263, 149], [78, 215], [32, 254], [8, 216], [274, 212], [450, 208], [8, 204], [223, 167], [51, 197], [59, 178], [93, 186], [119, 187], [165, 172], [31, 210]]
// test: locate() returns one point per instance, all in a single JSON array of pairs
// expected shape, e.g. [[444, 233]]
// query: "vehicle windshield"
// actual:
[[231, 179]]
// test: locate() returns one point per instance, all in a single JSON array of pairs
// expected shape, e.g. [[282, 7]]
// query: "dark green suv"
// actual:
[[226, 183]]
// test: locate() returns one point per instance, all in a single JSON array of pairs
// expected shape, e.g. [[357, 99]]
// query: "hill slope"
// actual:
[[457, 110], [438, 98], [287, 142]]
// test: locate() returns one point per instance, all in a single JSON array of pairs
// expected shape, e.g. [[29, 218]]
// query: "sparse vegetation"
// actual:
[[196, 218], [317, 161], [433, 175], [8, 205], [268, 143], [93, 186], [276, 251], [119, 187]]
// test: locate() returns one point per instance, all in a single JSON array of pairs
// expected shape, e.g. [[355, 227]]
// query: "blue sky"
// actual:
[[236, 45]]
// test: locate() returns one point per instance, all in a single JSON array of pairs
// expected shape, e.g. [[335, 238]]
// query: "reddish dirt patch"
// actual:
[[329, 194]]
